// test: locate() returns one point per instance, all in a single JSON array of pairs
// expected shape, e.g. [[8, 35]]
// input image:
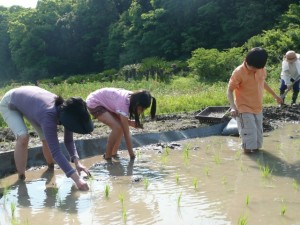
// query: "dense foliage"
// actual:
[[141, 37]]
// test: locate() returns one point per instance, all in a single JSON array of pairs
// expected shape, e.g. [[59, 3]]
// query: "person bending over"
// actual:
[[116, 108], [45, 110], [290, 75]]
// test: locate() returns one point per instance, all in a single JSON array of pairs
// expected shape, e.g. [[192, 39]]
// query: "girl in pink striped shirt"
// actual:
[[116, 108]]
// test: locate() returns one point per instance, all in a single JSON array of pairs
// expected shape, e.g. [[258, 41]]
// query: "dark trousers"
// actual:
[[296, 89]]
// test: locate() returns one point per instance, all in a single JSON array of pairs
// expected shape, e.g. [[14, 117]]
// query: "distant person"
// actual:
[[45, 110], [290, 75], [115, 108], [247, 82]]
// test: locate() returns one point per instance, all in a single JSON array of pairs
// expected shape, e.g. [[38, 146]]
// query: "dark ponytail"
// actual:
[[153, 108], [59, 100]]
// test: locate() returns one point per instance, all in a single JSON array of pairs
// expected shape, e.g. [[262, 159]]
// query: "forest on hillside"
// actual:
[[80, 37]]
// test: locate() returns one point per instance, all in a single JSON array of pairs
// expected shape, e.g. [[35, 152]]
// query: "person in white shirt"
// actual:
[[290, 75]]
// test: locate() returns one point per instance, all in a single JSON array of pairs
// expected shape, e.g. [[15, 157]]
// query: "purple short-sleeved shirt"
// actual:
[[38, 106], [113, 99]]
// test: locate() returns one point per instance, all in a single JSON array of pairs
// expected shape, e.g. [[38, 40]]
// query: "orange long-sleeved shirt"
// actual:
[[248, 87]]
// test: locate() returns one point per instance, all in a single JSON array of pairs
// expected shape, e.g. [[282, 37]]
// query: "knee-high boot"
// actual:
[[294, 97], [281, 93]]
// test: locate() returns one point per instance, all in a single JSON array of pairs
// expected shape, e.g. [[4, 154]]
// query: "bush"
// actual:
[[211, 65]]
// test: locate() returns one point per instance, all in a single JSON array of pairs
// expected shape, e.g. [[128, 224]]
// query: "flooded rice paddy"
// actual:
[[196, 181]]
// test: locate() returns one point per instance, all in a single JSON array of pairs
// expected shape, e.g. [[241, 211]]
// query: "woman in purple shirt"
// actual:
[[45, 110], [115, 108]]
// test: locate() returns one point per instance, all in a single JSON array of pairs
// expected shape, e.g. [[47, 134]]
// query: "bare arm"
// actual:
[[132, 123], [269, 89], [234, 110], [127, 136]]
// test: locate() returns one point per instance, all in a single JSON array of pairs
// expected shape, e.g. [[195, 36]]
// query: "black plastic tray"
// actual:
[[214, 114]]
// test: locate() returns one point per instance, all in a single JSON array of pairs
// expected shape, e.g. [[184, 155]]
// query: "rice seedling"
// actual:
[[247, 200], [243, 168], [167, 150], [224, 180], [55, 193], [122, 199], [107, 190], [13, 209], [195, 183], [124, 214], [237, 155], [27, 222], [265, 171], [206, 170], [217, 158], [138, 154], [177, 178], [55, 190], [179, 199], [243, 220], [5, 192], [164, 159], [186, 154], [207, 149], [295, 184], [283, 210], [14, 221], [146, 183], [91, 180]]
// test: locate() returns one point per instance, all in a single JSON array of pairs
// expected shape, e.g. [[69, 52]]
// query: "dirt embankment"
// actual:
[[273, 117]]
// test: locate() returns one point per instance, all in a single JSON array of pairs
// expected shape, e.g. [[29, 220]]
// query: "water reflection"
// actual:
[[225, 179], [138, 170]]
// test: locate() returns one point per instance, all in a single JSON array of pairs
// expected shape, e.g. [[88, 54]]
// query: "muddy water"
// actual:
[[201, 181]]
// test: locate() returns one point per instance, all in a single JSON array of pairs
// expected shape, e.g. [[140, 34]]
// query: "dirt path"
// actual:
[[273, 117]]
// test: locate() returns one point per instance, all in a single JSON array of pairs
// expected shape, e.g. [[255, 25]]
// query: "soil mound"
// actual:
[[274, 116]]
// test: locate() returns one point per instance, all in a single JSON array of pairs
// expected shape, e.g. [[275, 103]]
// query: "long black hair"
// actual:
[[141, 98]]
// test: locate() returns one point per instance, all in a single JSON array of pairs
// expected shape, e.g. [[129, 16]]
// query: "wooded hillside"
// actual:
[[89, 36]]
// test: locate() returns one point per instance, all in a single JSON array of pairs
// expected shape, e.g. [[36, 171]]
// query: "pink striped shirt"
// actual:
[[115, 100]]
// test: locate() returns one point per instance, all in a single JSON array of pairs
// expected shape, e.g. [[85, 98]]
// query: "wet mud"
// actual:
[[274, 117]]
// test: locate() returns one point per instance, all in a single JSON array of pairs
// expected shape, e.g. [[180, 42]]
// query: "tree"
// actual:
[[7, 67]]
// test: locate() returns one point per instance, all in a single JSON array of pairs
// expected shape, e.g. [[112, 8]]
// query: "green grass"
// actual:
[[182, 94]]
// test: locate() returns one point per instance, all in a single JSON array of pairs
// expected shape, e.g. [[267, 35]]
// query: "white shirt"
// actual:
[[290, 70]]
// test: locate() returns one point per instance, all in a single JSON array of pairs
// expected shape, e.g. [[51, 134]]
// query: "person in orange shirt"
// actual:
[[245, 94]]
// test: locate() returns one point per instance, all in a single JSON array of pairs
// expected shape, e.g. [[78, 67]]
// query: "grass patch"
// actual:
[[181, 94]]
